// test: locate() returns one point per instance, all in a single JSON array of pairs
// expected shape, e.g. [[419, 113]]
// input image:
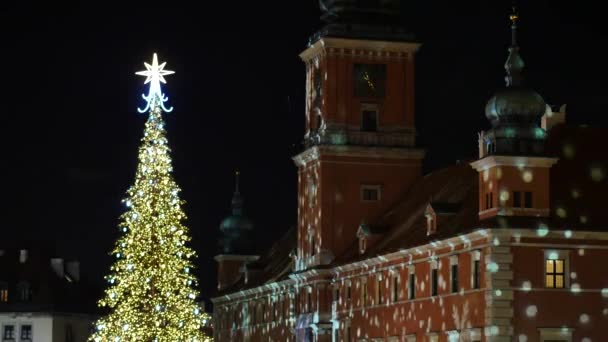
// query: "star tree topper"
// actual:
[[154, 75]]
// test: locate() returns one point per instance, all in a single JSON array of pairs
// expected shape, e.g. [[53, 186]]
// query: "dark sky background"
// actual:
[[70, 129]]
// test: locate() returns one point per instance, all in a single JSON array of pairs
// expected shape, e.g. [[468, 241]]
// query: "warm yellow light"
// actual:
[[150, 291]]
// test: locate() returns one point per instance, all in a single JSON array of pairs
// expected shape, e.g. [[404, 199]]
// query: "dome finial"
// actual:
[[514, 64], [514, 17], [236, 177]]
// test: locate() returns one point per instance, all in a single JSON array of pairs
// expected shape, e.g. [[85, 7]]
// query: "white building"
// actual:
[[42, 298]]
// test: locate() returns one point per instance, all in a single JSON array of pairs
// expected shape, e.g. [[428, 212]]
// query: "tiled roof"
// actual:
[[49, 291]]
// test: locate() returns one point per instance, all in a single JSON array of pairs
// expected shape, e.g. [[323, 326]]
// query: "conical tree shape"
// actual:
[[151, 293]]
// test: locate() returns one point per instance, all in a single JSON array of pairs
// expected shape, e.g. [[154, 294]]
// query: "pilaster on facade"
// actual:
[[499, 296]]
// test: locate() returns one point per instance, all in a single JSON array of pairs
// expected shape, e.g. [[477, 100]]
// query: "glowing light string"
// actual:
[[155, 75]]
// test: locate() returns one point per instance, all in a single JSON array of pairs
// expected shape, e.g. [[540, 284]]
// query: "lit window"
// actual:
[[555, 273], [370, 193], [561, 334], [3, 292]]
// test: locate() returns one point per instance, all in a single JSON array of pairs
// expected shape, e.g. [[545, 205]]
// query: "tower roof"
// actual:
[[375, 20], [236, 228], [515, 105]]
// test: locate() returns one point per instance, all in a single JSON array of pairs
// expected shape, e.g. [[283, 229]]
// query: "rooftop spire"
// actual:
[[236, 180], [237, 201], [514, 64]]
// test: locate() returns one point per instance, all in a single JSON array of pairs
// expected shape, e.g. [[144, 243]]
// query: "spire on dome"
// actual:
[[237, 200], [514, 64]]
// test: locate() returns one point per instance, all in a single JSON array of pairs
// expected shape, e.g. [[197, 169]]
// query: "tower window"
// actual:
[[516, 199], [487, 201], [491, 200], [528, 199], [369, 121], [370, 80], [370, 193]]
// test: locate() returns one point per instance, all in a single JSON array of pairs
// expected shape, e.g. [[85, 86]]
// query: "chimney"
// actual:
[[550, 119], [57, 265], [72, 268], [23, 256]]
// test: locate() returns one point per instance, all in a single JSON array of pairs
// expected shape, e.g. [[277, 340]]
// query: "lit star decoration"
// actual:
[[151, 293], [154, 74]]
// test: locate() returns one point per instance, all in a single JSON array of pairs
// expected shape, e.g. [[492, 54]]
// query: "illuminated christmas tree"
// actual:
[[151, 294]]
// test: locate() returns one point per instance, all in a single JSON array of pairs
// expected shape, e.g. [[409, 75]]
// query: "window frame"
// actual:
[[395, 292], [4, 292], [557, 254], [434, 278], [528, 200], [454, 274], [5, 337], [552, 334], [476, 270], [411, 283], [373, 187]]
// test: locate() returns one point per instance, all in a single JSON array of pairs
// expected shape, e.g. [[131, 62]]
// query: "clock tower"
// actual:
[[360, 154]]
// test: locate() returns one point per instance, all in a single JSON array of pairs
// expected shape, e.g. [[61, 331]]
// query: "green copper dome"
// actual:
[[515, 106]]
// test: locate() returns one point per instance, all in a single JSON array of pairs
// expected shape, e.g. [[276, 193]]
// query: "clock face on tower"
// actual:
[[370, 80]]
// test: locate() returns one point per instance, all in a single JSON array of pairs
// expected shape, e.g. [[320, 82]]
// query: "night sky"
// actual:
[[70, 129]]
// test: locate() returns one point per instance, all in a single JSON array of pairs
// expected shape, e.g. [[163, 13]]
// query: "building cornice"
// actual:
[[517, 161], [236, 257], [323, 45], [422, 253], [316, 152], [261, 291]]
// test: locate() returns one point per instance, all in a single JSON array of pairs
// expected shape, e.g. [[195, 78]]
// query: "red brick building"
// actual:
[[506, 248]]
